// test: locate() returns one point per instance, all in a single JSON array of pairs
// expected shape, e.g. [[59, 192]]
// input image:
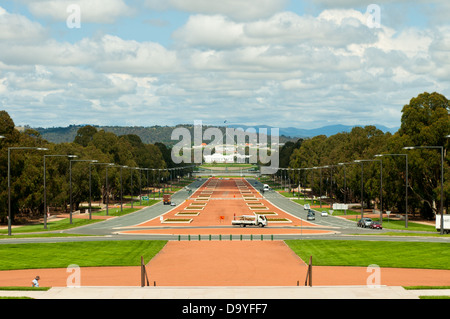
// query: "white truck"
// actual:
[[446, 223], [250, 220]]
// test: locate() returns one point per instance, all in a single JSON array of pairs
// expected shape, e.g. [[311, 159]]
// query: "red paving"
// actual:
[[226, 263], [218, 201]]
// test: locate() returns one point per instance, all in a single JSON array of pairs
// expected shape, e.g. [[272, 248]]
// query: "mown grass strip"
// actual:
[[364, 253], [53, 225], [83, 254]]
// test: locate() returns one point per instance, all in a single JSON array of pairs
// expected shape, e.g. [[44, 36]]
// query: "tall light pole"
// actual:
[[320, 185], [95, 162], [406, 182], [132, 168], [9, 178], [381, 185], [362, 187], [441, 148], [121, 187], [345, 180], [45, 187], [70, 178]]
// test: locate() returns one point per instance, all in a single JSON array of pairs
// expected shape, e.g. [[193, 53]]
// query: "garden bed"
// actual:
[[177, 220], [266, 213], [187, 214], [278, 220], [194, 208]]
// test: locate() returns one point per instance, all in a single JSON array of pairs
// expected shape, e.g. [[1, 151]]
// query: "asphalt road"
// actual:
[[107, 230]]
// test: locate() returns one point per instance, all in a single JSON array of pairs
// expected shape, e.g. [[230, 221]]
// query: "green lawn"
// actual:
[[62, 224], [400, 225], [149, 202], [365, 253], [308, 201], [228, 165], [116, 211], [53, 225], [83, 254]]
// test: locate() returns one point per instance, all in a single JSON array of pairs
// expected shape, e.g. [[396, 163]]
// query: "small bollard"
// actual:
[[241, 237], [251, 236], [199, 238], [261, 237], [220, 237], [179, 237], [209, 237], [189, 237], [231, 237]]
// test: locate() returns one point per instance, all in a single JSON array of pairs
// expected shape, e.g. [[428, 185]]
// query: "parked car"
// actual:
[[376, 225], [364, 222], [324, 213]]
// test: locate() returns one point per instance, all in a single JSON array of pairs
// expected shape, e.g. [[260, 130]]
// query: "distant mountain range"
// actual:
[[307, 133], [162, 134]]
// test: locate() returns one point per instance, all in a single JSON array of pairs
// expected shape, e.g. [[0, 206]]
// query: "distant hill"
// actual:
[[148, 135], [162, 134], [329, 130]]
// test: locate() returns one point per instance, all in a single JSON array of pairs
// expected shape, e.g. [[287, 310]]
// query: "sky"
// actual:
[[283, 63]]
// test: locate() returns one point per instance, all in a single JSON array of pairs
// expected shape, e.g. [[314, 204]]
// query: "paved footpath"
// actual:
[[346, 292]]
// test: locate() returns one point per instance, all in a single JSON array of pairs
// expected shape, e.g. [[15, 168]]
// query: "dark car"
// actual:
[[376, 225], [364, 222]]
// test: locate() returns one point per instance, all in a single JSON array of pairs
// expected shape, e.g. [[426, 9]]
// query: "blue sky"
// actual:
[[283, 63]]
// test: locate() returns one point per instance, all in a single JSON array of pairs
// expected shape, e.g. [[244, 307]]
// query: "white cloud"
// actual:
[[240, 10], [275, 69], [17, 28], [120, 56], [109, 54], [96, 11], [337, 28]]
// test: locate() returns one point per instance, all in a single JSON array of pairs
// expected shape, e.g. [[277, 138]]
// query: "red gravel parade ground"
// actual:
[[228, 262]]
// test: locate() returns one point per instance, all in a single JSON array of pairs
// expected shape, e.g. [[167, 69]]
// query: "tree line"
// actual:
[[89, 144], [425, 122]]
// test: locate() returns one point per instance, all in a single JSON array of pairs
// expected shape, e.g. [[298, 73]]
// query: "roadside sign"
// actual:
[[144, 198], [337, 206]]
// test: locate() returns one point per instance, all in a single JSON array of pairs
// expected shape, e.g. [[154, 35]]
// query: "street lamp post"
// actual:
[[90, 186], [121, 188], [406, 182], [153, 182], [45, 187], [381, 186], [320, 186], [345, 183], [70, 178], [9, 178], [345, 180], [362, 187], [441, 148], [132, 168], [140, 186]]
